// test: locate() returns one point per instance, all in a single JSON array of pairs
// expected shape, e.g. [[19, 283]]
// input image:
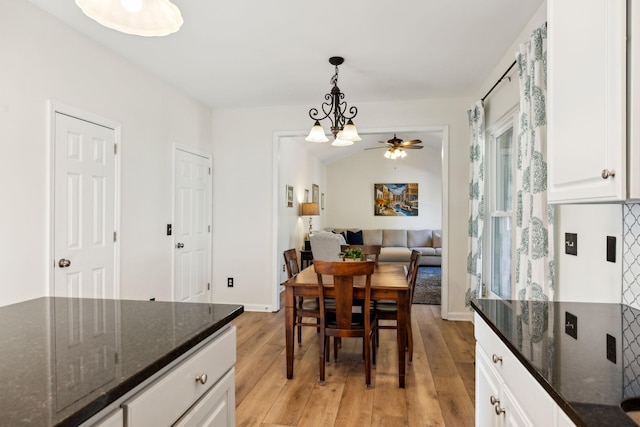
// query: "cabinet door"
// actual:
[[488, 385], [513, 414], [586, 105]]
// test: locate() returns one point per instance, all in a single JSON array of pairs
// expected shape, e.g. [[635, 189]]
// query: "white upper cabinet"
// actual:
[[587, 97]]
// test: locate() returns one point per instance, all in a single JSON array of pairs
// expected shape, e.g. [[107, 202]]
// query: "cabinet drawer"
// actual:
[[217, 408], [171, 395]]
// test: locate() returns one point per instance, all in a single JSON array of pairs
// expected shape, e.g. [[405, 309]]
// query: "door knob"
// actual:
[[64, 263], [180, 245]]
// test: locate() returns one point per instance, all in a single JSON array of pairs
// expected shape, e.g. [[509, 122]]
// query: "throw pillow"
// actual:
[[354, 237], [344, 234]]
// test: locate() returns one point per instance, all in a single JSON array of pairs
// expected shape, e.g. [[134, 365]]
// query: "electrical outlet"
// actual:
[[611, 348], [283, 268], [571, 324], [169, 229], [230, 282]]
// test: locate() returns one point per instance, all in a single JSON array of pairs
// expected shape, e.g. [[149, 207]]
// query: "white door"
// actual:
[[192, 228], [84, 209]]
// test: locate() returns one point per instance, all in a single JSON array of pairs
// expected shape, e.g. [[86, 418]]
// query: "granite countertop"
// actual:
[[589, 375], [65, 359]]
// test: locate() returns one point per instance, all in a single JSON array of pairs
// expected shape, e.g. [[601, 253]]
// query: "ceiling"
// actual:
[[267, 53]]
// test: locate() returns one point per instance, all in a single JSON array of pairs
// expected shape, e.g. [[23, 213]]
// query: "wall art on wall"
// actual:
[[306, 196], [315, 193], [289, 193], [395, 199]]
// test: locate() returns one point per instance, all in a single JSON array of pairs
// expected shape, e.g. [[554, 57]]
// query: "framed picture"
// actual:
[[289, 193], [395, 199], [322, 201], [306, 196], [315, 193]]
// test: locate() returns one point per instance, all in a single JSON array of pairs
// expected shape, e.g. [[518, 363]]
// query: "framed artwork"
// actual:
[[289, 193], [315, 193], [306, 196], [395, 199], [322, 201]]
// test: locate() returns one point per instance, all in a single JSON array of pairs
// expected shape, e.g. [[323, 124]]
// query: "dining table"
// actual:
[[388, 282]]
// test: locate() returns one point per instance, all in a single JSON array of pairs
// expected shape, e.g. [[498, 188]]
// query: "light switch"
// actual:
[[611, 249], [571, 243]]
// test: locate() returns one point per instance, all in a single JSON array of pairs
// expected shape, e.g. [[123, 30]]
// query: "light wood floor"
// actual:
[[439, 389]]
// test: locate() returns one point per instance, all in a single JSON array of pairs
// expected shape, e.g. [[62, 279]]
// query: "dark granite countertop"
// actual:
[[589, 375], [65, 359]]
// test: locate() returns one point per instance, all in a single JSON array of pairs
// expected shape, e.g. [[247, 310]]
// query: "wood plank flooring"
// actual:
[[440, 385]]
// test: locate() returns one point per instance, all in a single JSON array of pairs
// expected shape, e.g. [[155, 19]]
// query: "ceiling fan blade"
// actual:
[[375, 148], [411, 142], [412, 147]]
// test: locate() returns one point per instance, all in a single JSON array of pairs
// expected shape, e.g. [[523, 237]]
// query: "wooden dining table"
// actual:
[[388, 282]]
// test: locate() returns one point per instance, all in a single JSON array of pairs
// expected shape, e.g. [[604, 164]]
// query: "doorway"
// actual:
[[283, 137], [84, 204]]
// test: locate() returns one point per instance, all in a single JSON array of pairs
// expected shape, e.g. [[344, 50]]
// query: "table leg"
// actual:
[[403, 308], [288, 327]]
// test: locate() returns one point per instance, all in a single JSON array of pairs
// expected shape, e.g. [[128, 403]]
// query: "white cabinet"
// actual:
[[586, 101], [506, 393], [169, 397], [198, 389]]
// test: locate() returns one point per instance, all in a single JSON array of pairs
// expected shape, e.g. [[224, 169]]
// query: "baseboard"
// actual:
[[461, 316]]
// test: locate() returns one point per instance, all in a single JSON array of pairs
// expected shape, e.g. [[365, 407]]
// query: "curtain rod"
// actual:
[[499, 80]]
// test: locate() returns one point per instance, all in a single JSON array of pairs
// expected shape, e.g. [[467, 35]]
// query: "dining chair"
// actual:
[[342, 321], [368, 250], [388, 310], [303, 308]]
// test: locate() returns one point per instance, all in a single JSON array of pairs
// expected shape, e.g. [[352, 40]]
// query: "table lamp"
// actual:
[[310, 210]]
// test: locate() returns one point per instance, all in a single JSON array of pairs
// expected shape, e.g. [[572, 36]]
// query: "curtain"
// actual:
[[535, 267], [476, 202]]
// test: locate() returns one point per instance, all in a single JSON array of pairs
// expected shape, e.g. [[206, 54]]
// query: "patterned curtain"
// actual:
[[535, 267], [476, 202]]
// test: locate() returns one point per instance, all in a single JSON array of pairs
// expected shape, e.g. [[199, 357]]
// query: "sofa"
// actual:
[[396, 245]]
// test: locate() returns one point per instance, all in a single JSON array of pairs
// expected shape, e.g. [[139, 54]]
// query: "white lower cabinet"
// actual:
[[506, 393], [198, 389]]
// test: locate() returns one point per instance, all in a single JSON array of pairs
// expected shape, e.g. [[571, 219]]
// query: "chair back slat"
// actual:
[[413, 272], [344, 274]]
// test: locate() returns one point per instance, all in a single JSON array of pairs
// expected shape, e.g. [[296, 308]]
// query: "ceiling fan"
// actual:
[[395, 147]]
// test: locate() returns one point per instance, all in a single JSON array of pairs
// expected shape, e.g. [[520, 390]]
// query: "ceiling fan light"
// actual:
[[388, 154], [154, 18], [317, 134], [350, 133], [401, 153]]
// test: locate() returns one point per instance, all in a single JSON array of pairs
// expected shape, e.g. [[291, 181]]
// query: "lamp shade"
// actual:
[[317, 134], [350, 133], [141, 18], [309, 209]]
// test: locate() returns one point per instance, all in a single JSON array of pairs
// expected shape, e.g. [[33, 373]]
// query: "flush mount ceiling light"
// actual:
[[335, 109], [138, 17]]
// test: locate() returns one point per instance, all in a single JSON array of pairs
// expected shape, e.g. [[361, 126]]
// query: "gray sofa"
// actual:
[[398, 244]]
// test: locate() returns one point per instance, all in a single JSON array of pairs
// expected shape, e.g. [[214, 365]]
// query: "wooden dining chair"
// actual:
[[369, 250], [303, 308], [388, 310], [342, 321]]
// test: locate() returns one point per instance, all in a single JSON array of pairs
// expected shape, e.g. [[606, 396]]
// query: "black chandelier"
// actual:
[[342, 127]]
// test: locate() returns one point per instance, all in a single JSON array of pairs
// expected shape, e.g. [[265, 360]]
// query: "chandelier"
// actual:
[[335, 109], [137, 17]]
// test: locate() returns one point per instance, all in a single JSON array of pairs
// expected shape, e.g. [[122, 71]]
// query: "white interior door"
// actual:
[[192, 228], [84, 209]]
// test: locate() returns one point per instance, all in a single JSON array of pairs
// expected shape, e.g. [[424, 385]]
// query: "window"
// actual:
[[500, 191]]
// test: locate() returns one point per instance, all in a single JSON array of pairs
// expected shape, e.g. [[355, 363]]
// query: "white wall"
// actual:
[[42, 60], [300, 170], [350, 192]]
